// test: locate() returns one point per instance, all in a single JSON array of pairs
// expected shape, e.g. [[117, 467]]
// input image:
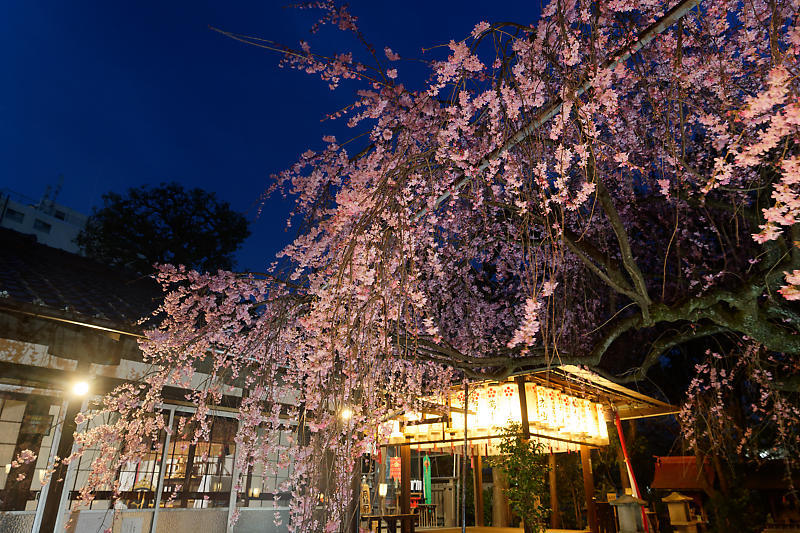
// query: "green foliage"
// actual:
[[164, 224], [526, 467], [569, 484], [740, 510], [488, 507]]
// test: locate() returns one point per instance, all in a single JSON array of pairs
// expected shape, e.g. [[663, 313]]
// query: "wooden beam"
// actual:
[[588, 488], [478, 489]]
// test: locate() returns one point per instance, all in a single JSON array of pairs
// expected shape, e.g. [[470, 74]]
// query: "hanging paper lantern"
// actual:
[[472, 407], [559, 410], [545, 412], [396, 436], [483, 412], [457, 419], [567, 424], [493, 401], [590, 419], [601, 423]]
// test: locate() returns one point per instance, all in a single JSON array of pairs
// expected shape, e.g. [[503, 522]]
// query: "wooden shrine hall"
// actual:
[[565, 409]]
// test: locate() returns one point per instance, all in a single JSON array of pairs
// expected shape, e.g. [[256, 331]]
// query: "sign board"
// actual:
[[394, 468], [33, 424]]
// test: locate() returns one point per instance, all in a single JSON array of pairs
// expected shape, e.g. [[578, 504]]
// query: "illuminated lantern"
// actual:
[[435, 432], [396, 436], [509, 404], [483, 411], [601, 423], [568, 424], [582, 424], [492, 397], [590, 419], [559, 410], [474, 402], [545, 412], [457, 401], [578, 417]]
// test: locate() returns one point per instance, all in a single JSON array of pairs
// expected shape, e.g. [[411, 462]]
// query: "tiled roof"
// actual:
[[32, 274]]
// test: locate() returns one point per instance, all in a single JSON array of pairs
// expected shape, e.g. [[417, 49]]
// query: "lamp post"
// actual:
[[79, 390]]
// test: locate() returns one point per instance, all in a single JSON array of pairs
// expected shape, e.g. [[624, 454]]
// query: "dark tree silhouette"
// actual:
[[164, 224]]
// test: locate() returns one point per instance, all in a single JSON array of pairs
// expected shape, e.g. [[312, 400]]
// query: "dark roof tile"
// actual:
[[32, 273]]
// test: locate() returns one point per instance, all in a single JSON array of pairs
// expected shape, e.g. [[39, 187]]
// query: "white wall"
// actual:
[[60, 234]]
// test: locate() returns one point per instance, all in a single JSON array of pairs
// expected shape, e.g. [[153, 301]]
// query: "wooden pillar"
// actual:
[[588, 487], [623, 471], [523, 407], [555, 515], [187, 478], [405, 484], [478, 490], [501, 510], [354, 511], [53, 500]]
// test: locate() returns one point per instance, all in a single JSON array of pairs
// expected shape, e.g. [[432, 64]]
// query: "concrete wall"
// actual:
[[169, 521]]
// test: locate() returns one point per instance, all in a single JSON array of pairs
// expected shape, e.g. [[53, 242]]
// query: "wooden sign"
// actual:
[[34, 424], [366, 506]]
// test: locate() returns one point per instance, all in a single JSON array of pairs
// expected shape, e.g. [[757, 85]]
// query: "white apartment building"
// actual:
[[53, 224]]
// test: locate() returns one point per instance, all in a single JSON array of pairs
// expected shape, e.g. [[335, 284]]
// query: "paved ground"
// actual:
[[494, 530]]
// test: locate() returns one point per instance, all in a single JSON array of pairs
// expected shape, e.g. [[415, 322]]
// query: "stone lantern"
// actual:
[[629, 512], [680, 517]]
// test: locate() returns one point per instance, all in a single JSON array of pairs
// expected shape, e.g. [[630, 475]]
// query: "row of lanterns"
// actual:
[[550, 413]]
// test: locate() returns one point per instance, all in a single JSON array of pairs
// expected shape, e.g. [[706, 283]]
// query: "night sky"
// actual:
[[119, 94]]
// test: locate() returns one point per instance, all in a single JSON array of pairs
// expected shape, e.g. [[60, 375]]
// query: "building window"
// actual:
[[199, 475], [265, 481], [16, 216], [60, 215], [41, 226], [25, 424]]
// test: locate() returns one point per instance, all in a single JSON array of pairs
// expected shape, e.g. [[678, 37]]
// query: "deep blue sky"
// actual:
[[114, 94]]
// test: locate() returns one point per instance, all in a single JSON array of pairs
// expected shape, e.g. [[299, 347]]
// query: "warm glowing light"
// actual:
[[347, 413], [397, 436], [484, 418], [550, 412], [382, 488], [601, 423], [80, 388]]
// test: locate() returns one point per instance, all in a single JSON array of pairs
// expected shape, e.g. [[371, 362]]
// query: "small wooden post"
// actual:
[[588, 487], [555, 516], [478, 490], [501, 512]]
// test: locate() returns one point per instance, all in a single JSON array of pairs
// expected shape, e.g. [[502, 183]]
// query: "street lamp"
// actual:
[[346, 413], [80, 388]]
